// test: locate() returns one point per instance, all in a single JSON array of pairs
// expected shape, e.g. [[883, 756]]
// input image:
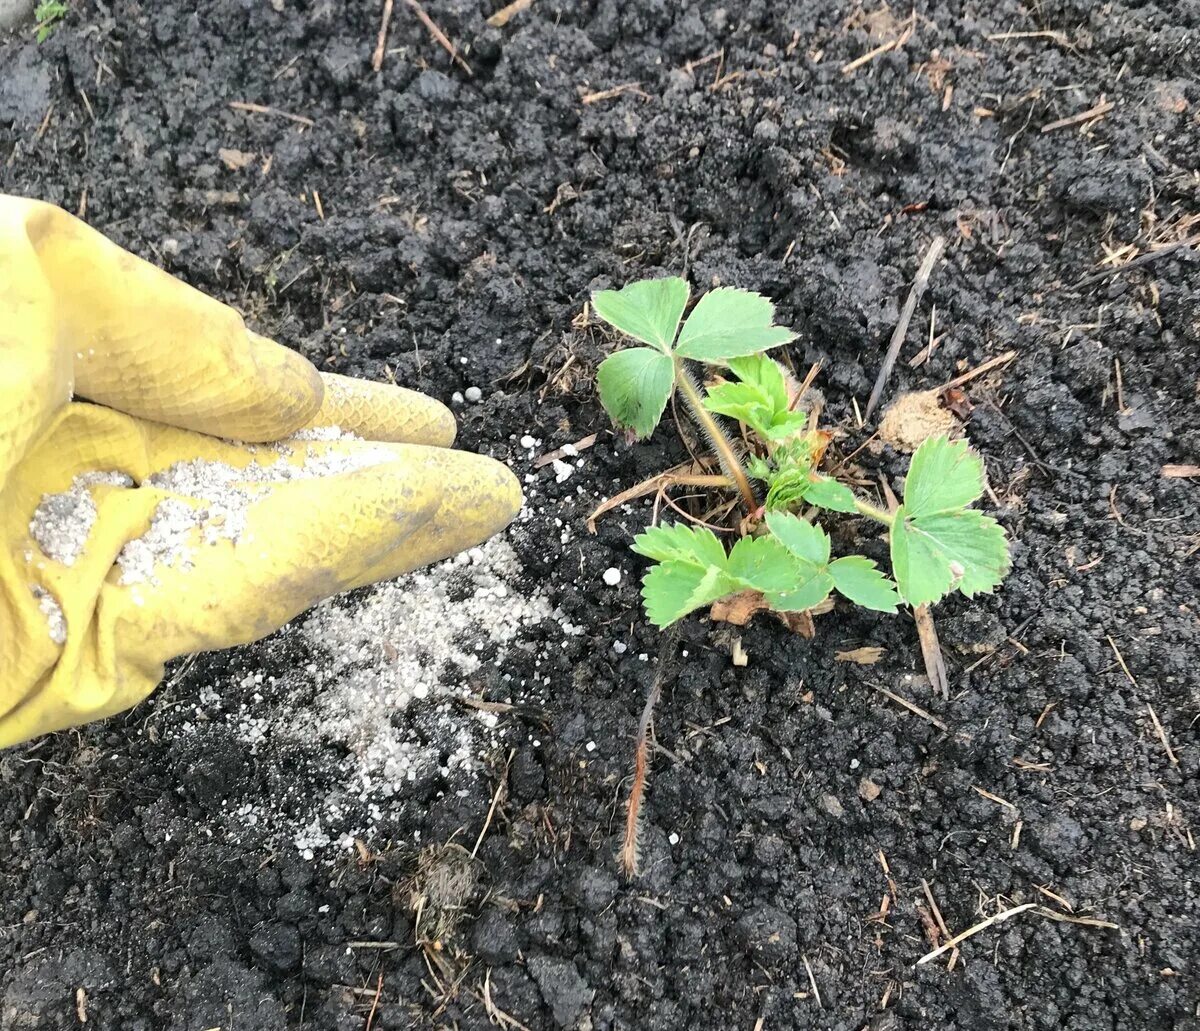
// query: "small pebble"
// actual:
[[474, 395], [620, 647], [673, 838], [591, 746], [528, 443], [456, 398], [612, 576]]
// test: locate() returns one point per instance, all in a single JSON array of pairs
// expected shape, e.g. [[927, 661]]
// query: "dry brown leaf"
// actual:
[[913, 418], [868, 790], [740, 608], [234, 160], [866, 656]]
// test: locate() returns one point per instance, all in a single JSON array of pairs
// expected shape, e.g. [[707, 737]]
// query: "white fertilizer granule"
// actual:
[[225, 494], [56, 622], [62, 522]]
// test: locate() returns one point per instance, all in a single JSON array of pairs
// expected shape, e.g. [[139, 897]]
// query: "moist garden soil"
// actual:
[[795, 814]]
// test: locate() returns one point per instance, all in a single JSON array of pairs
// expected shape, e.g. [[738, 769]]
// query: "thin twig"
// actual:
[[263, 109], [1121, 659], [910, 305], [813, 982], [979, 370], [883, 48], [567, 450], [931, 651], [375, 1003], [381, 42], [1145, 259], [503, 16], [970, 931], [495, 802], [937, 916], [1162, 736], [1099, 111], [910, 706], [641, 768], [1179, 471], [439, 36], [614, 91], [677, 477]]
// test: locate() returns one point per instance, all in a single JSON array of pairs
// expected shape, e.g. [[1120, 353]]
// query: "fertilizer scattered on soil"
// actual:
[[376, 710]]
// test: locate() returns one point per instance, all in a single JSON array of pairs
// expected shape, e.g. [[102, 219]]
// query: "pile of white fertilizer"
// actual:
[[378, 700]]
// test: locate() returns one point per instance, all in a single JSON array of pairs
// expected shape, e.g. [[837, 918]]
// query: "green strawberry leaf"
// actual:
[[635, 386], [648, 310], [765, 374], [745, 402], [858, 579], [730, 323], [786, 426], [673, 589], [762, 564], [809, 589], [826, 492], [808, 546], [802, 538], [935, 554], [676, 542], [944, 475]]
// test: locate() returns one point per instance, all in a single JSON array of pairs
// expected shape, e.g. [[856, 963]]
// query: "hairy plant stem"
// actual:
[[871, 512], [721, 444]]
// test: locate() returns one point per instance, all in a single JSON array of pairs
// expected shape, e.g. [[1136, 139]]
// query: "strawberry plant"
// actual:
[[782, 555], [938, 543]]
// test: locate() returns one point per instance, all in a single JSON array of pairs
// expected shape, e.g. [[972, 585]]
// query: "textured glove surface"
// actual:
[[132, 530]]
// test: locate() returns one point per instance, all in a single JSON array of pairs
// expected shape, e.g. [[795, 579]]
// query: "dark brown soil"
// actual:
[[469, 216]]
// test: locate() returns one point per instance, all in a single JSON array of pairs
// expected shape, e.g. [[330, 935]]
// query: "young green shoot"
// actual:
[[636, 383], [48, 14]]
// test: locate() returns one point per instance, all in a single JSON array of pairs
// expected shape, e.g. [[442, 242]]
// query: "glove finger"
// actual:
[[149, 345], [300, 542], [379, 411], [36, 378], [477, 498], [187, 591]]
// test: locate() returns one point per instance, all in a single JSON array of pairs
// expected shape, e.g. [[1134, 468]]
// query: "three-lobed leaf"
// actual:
[[959, 550], [648, 310], [635, 385], [762, 564], [803, 539], [938, 545], [826, 492], [730, 323], [759, 398], [854, 576], [671, 590]]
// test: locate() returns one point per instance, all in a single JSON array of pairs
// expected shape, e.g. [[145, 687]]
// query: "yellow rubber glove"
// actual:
[[148, 524]]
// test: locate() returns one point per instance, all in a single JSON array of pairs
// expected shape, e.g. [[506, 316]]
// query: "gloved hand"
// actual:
[[155, 521]]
